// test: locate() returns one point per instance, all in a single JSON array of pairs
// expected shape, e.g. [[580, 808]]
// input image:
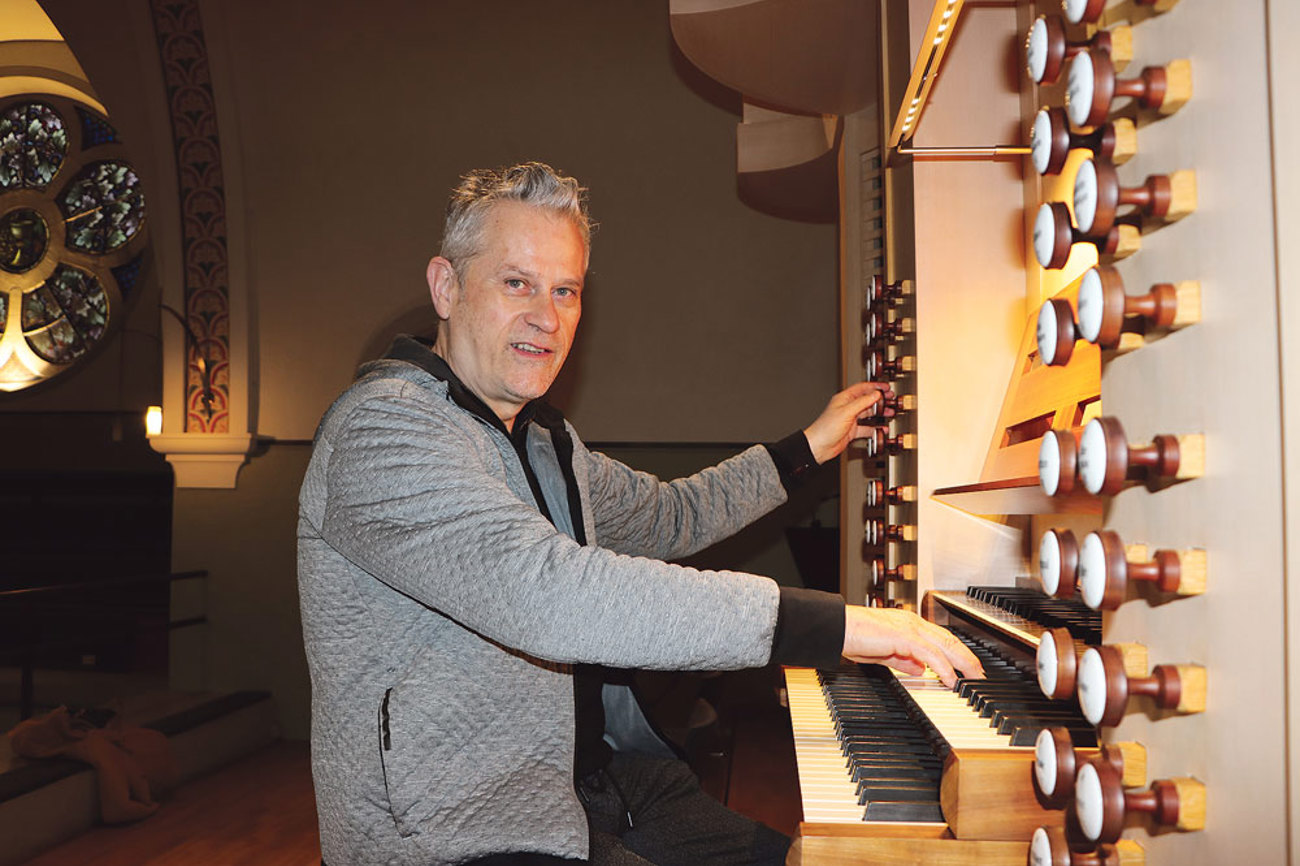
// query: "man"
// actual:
[[465, 564]]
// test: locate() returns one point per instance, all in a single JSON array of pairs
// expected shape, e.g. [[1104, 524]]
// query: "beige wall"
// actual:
[[341, 132]]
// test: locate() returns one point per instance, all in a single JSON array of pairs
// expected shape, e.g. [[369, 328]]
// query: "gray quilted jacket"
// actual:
[[442, 611]]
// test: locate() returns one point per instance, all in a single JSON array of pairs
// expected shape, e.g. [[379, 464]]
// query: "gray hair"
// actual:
[[532, 183]]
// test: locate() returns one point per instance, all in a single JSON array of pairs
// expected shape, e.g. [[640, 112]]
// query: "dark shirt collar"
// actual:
[[419, 352]]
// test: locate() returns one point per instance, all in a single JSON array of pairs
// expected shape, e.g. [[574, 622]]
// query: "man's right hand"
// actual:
[[906, 642]]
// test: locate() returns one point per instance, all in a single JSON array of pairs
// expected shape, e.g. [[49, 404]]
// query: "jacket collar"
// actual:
[[418, 351]]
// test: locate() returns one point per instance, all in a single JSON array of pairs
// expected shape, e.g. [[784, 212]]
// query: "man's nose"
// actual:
[[542, 314]]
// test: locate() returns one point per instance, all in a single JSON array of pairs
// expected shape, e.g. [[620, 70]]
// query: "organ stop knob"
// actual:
[[1106, 567], [1108, 676], [1050, 140], [1058, 560], [1107, 462], [1056, 663], [1098, 196], [1055, 235], [1100, 803], [1046, 48], [1092, 87], [1049, 847], [1056, 761]]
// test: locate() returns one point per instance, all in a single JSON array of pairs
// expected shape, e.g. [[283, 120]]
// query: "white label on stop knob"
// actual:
[[1080, 86], [1049, 562], [1040, 849], [1092, 571], [1045, 768], [1036, 50], [1085, 196], [1090, 305], [1074, 10], [1047, 333], [1049, 464], [1040, 140], [1092, 457], [1044, 235], [1092, 686], [1088, 802], [1046, 664]]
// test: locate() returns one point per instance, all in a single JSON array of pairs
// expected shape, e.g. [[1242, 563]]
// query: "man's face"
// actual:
[[510, 322]]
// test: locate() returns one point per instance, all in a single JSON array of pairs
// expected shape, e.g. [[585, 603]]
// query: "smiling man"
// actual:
[[467, 568]]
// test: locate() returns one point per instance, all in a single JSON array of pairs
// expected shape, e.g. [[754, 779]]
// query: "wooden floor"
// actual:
[[262, 810]]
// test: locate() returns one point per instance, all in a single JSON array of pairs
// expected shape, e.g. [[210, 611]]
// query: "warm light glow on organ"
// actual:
[[1050, 140], [1106, 567], [1055, 235], [1098, 196], [1108, 463], [878, 495], [1046, 48], [1090, 11], [880, 442], [1056, 762], [1049, 847], [881, 369], [1112, 319], [1092, 87], [1108, 676], [1101, 803], [879, 532]]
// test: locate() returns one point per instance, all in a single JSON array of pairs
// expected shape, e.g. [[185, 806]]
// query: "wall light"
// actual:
[[153, 421]]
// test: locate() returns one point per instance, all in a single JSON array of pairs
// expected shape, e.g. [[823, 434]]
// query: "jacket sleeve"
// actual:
[[637, 514], [413, 500]]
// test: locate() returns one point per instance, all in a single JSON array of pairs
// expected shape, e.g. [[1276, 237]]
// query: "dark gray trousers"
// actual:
[[646, 811]]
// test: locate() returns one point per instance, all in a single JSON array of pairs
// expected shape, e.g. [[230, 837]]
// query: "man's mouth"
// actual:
[[530, 349]]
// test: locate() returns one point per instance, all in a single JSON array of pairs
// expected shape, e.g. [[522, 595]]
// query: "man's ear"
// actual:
[[442, 285]]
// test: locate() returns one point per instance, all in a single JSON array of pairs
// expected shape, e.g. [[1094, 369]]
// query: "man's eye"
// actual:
[[566, 292], [515, 283]]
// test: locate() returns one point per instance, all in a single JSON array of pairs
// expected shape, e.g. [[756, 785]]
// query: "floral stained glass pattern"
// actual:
[[65, 316], [33, 142], [104, 207], [23, 238]]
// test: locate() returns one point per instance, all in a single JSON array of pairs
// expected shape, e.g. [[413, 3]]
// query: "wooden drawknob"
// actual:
[[1106, 566], [1050, 140], [1050, 847], [1056, 761], [1056, 663], [1107, 462], [881, 574], [877, 494], [1107, 314], [879, 532], [1098, 196], [1100, 803], [1046, 48], [1055, 332], [879, 368], [1058, 559], [1058, 461], [880, 325], [880, 442], [1092, 86], [878, 290], [1055, 235], [1089, 11], [1109, 675]]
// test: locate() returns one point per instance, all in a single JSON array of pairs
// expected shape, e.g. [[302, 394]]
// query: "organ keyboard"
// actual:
[[881, 753]]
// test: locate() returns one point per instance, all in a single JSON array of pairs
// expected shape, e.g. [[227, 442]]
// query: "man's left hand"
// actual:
[[838, 424]]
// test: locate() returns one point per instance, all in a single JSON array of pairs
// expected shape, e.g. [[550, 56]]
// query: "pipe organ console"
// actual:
[[996, 292]]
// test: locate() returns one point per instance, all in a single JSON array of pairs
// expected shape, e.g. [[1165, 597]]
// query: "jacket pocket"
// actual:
[[411, 762]]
